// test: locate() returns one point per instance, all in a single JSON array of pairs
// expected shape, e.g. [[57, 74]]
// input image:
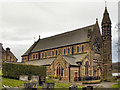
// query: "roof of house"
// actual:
[[68, 38], [5, 51]]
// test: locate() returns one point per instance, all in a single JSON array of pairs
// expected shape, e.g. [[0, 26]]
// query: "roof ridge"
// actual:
[[67, 38], [68, 31]]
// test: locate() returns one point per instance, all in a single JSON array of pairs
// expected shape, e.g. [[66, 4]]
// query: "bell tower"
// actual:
[[107, 46]]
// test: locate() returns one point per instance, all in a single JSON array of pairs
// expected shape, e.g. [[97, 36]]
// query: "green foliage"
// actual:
[[58, 84], [92, 82], [50, 76], [114, 78], [49, 80], [60, 77], [15, 70], [116, 85], [55, 77]]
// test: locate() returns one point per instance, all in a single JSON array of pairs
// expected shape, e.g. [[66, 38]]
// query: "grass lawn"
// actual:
[[0, 72], [12, 82], [57, 85], [116, 85], [61, 85], [18, 83]]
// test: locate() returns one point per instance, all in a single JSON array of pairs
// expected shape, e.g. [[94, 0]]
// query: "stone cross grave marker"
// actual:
[[23, 77]]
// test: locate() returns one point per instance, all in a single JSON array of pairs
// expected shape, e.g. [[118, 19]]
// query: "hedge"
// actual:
[[15, 70]]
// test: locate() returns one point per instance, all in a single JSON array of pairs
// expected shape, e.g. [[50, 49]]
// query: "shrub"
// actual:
[[15, 70], [92, 82], [50, 76], [60, 77], [114, 78], [55, 77]]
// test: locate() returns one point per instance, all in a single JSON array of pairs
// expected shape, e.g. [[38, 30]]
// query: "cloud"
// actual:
[[22, 21]]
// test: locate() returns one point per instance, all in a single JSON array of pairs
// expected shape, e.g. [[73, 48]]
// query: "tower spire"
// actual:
[[107, 45], [106, 18]]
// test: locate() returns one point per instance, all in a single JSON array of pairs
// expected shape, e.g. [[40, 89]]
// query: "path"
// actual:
[[103, 84]]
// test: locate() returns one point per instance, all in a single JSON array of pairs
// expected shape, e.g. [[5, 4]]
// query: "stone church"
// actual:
[[81, 54]]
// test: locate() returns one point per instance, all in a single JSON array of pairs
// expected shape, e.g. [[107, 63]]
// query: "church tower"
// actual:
[[107, 46]]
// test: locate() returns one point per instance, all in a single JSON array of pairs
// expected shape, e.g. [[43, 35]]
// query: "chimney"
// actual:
[[7, 50], [0, 55], [0, 47]]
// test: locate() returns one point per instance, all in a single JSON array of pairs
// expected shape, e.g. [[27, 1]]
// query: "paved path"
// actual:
[[103, 84]]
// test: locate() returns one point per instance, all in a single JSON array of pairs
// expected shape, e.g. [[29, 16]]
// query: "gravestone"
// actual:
[[35, 79], [87, 88], [48, 85], [23, 77], [30, 85], [41, 80], [73, 87]]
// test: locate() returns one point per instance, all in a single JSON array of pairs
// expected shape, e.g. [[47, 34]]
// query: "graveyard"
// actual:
[[19, 84], [13, 83], [29, 77]]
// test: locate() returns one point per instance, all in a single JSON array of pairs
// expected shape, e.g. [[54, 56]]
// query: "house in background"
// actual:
[[82, 54], [8, 56]]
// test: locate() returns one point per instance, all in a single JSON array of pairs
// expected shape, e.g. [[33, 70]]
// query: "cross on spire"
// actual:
[[105, 3], [39, 36]]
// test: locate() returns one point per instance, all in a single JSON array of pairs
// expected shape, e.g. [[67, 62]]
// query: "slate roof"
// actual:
[[67, 38], [30, 49], [70, 59], [41, 62], [80, 57]]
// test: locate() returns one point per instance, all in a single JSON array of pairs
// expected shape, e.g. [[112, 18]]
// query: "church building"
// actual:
[[81, 54]]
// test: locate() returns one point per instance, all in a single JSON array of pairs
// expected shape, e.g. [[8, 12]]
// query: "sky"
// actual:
[[21, 22]]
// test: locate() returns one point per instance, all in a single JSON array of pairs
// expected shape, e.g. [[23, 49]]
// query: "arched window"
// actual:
[[42, 55], [33, 56], [57, 71], [68, 50], [60, 70], [86, 68], [82, 48], [52, 53], [56, 53], [36, 56], [64, 51], [77, 49]]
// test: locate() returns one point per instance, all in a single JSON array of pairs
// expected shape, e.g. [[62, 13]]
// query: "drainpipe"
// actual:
[[79, 73], [69, 73]]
